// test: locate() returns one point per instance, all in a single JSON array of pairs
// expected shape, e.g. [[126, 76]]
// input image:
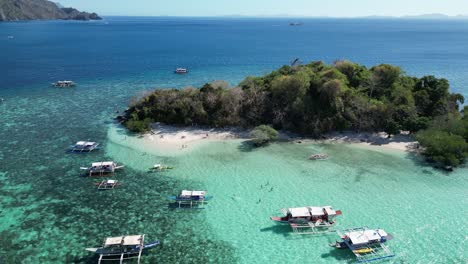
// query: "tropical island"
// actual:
[[315, 99], [16, 10]]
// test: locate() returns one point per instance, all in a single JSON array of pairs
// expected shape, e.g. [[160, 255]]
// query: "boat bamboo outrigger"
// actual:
[[107, 184], [122, 248], [102, 168], [366, 244], [190, 198], [84, 146], [309, 220], [63, 84]]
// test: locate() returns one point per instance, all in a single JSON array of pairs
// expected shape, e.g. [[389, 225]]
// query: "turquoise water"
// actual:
[[49, 213]]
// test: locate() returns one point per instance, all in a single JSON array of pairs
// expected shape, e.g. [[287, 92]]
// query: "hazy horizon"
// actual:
[[271, 8]]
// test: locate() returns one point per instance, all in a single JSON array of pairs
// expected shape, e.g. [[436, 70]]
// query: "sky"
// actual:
[[332, 8]]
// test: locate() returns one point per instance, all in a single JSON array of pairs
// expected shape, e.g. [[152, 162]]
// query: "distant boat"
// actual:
[[181, 70], [102, 168], [63, 84], [10, 37], [84, 146], [107, 184], [296, 24], [159, 167], [190, 198], [123, 248]]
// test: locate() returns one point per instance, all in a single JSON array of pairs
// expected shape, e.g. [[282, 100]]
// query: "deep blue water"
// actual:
[[216, 48]]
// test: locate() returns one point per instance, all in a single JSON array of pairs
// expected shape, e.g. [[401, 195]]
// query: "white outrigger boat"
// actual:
[[107, 184], [159, 167], [366, 244], [102, 168], [63, 84], [181, 70], [84, 146], [122, 248], [190, 198], [309, 219]]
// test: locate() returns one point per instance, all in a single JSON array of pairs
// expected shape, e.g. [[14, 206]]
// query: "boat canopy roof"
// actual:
[[192, 193], [111, 181], [103, 163], [85, 143], [299, 212], [311, 211], [124, 240], [363, 237]]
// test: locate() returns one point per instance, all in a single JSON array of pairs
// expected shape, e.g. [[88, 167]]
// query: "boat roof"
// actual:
[[103, 163], [192, 193], [111, 181], [124, 240], [316, 211], [84, 143], [329, 210], [299, 211], [363, 237]]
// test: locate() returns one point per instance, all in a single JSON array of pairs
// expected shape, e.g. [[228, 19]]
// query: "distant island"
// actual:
[[317, 98], [16, 10]]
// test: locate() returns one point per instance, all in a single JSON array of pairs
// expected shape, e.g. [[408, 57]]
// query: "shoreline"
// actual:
[[175, 139]]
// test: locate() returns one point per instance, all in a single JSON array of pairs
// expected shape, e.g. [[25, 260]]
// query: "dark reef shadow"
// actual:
[[246, 146]]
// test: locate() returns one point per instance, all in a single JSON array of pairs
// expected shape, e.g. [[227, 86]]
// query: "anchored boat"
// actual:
[[63, 84], [102, 168], [366, 244], [181, 70], [122, 248], [107, 184], [310, 219], [159, 167], [190, 198], [84, 146]]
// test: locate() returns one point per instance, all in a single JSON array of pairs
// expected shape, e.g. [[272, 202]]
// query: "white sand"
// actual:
[[181, 139]]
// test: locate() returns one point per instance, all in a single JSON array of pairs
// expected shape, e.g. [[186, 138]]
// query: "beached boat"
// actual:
[[122, 248], [366, 244], [190, 198], [63, 84], [309, 219], [84, 146], [159, 167], [319, 156], [107, 184], [102, 168], [181, 70]]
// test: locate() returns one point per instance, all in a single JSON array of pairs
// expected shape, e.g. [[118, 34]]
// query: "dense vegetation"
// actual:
[[263, 134], [309, 99]]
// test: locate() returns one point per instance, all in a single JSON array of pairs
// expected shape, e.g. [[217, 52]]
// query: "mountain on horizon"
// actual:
[[16, 10]]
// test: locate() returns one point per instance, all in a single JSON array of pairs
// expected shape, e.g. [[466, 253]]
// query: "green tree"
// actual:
[[263, 134]]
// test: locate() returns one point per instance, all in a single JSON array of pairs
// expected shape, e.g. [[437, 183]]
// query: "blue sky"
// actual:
[[337, 8]]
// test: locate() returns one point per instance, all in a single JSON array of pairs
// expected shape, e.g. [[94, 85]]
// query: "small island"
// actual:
[[17, 10], [315, 99]]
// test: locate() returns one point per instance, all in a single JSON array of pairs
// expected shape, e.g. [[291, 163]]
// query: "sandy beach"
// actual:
[[181, 139]]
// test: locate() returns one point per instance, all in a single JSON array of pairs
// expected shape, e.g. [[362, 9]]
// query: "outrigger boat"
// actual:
[[310, 219], [319, 156], [159, 167], [122, 248], [181, 70], [190, 198], [366, 244], [84, 146], [107, 184], [63, 84], [102, 168]]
